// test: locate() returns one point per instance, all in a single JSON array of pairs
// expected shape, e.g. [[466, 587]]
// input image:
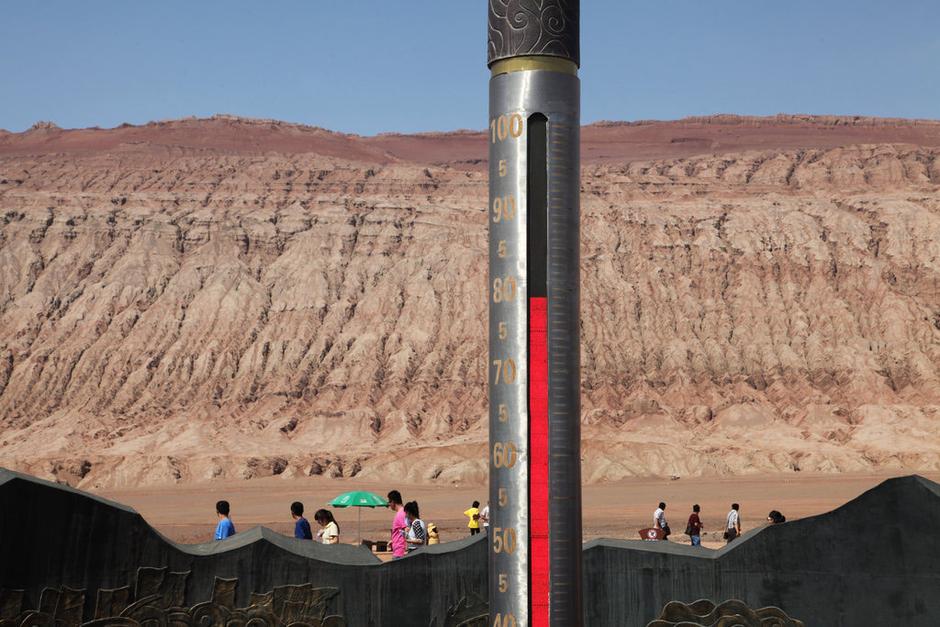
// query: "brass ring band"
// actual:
[[520, 64]]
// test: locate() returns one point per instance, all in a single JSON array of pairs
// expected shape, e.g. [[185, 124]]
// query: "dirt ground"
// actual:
[[611, 510]]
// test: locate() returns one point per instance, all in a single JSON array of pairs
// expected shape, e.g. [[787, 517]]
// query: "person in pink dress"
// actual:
[[399, 525]]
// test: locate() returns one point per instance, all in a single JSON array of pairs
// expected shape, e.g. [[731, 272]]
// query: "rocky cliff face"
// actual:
[[228, 299]]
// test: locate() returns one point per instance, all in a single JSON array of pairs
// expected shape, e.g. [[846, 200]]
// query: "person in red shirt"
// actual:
[[694, 528]]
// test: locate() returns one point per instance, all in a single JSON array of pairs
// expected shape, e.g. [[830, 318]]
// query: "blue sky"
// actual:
[[417, 65]]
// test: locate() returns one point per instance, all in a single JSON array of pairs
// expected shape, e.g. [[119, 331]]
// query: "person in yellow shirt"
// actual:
[[474, 515]]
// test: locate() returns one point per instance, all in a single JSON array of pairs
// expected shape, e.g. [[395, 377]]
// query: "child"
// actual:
[[301, 526], [225, 528]]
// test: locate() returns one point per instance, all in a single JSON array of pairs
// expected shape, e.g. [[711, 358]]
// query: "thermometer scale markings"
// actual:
[[535, 538]]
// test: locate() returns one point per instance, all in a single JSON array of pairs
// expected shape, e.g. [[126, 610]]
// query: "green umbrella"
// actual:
[[360, 499]]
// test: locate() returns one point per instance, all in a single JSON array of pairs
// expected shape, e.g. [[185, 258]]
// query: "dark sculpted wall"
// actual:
[[51, 536], [857, 565]]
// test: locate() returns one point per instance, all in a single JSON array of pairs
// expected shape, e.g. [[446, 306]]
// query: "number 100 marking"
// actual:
[[502, 127]]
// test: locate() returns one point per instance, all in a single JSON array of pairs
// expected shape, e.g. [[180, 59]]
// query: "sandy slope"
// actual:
[[226, 299]]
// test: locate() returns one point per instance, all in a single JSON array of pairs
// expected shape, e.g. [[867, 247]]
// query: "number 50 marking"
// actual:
[[504, 540]]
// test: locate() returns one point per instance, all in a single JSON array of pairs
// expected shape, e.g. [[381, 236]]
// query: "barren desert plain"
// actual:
[[262, 311], [616, 509]]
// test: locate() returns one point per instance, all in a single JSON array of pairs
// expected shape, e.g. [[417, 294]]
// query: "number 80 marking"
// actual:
[[504, 289]]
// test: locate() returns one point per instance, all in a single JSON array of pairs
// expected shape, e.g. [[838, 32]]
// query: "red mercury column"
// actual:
[[538, 460]]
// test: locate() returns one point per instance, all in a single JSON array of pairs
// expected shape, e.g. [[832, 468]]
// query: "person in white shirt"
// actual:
[[485, 519], [329, 532], [659, 520], [733, 523]]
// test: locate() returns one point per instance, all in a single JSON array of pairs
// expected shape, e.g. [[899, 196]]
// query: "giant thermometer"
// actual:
[[534, 351]]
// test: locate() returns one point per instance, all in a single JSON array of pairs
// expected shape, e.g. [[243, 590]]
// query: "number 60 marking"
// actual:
[[504, 455]]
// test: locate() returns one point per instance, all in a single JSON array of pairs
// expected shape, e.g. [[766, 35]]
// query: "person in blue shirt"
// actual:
[[225, 528], [301, 526]]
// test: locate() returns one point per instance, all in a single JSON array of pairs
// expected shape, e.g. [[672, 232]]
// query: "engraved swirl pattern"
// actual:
[[533, 27]]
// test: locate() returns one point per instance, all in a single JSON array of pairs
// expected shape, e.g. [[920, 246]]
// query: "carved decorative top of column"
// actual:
[[533, 28]]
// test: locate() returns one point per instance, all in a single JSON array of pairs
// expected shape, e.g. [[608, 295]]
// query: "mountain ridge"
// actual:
[[204, 303], [603, 141]]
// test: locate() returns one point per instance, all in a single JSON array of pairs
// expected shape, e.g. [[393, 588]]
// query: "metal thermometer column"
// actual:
[[534, 351]]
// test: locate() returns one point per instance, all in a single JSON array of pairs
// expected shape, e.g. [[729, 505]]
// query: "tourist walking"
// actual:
[[474, 515], [399, 524], [417, 530], [485, 519], [329, 531], [301, 526], [733, 523], [226, 527], [659, 521], [694, 528]]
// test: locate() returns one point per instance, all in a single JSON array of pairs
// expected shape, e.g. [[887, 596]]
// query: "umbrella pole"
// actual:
[[359, 510]]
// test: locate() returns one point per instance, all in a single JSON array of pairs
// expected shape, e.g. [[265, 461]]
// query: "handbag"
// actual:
[[689, 531]]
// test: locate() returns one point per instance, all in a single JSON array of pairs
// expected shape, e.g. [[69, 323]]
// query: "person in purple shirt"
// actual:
[[399, 525], [301, 526], [225, 528]]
